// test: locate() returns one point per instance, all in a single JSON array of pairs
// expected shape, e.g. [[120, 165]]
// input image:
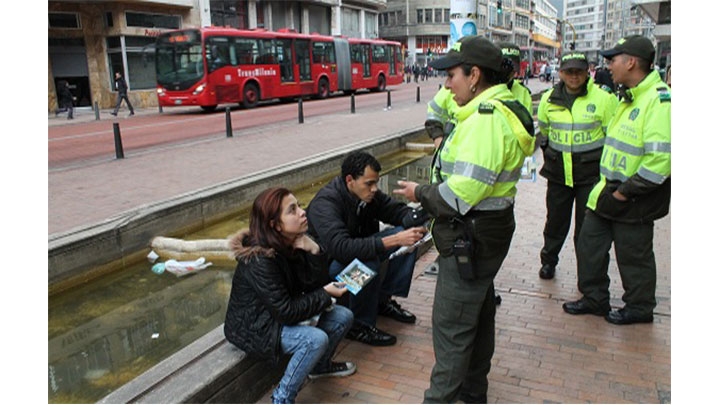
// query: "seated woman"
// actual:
[[280, 283]]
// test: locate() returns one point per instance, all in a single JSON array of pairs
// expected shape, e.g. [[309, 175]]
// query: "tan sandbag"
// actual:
[[218, 258], [181, 245], [213, 250]]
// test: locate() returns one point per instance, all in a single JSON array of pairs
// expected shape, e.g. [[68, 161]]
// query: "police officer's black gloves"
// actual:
[[417, 217]]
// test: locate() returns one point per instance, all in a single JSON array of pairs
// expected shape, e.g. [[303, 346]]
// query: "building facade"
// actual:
[[599, 24], [423, 26], [88, 41]]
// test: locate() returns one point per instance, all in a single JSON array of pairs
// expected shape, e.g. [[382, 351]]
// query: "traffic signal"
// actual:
[[499, 7]]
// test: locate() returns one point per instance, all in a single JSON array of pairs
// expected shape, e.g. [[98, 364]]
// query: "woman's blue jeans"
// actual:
[[312, 348]]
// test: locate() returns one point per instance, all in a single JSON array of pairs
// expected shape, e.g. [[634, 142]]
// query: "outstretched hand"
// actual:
[[407, 190], [411, 235]]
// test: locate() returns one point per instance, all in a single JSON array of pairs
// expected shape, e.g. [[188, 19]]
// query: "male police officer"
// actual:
[[511, 52], [572, 117], [633, 191]]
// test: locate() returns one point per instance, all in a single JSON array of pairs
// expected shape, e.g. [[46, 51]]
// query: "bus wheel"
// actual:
[[208, 108], [323, 88], [251, 95], [381, 83]]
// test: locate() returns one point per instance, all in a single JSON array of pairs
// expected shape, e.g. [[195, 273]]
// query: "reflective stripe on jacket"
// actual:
[[440, 114], [636, 156], [575, 133], [481, 160]]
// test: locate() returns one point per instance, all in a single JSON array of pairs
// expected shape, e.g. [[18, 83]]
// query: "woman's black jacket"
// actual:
[[270, 290]]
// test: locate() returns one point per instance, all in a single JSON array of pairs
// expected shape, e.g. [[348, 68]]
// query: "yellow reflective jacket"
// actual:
[[480, 162], [440, 112], [522, 94], [572, 135], [636, 156]]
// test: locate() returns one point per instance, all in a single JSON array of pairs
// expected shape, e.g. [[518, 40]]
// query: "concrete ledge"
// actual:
[[72, 255], [209, 370]]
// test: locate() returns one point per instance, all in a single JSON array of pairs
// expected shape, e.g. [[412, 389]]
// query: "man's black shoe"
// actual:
[[623, 317], [581, 306], [547, 272], [393, 310], [370, 335]]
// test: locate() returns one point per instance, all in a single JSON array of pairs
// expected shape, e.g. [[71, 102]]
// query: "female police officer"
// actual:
[[471, 201]]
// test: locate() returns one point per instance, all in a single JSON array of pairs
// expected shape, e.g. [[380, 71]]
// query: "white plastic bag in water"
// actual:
[[181, 268]]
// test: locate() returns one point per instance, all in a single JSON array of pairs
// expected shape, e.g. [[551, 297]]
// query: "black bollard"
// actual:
[[417, 96], [160, 108], [389, 102], [97, 112], [301, 118], [352, 104], [228, 122], [118, 141]]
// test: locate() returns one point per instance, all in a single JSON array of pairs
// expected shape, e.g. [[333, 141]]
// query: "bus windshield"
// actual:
[[179, 59]]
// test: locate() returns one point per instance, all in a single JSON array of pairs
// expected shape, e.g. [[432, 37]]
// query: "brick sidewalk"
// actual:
[[542, 355]]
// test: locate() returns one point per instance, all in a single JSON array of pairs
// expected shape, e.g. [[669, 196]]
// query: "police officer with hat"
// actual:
[[572, 116], [471, 201], [511, 52], [633, 190]]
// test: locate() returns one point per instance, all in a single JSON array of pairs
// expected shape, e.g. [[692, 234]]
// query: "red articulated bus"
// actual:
[[211, 66]]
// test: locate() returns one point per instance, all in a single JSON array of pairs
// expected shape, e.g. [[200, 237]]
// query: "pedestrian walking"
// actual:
[[122, 89], [65, 99], [471, 201], [633, 191], [572, 118]]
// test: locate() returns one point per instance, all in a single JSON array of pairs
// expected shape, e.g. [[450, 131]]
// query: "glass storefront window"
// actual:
[[140, 58]]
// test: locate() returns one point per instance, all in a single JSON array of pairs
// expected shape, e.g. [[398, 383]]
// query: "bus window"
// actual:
[[302, 58], [393, 51], [366, 49], [284, 54], [356, 53], [246, 50], [359, 53], [179, 61], [323, 52], [267, 53], [379, 54], [217, 52]]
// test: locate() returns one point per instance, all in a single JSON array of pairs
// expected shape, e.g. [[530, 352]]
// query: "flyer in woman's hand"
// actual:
[[355, 276]]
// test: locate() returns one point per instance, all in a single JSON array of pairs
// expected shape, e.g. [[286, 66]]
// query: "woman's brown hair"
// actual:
[[264, 217]]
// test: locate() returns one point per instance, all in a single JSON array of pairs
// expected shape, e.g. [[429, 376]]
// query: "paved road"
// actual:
[[99, 187]]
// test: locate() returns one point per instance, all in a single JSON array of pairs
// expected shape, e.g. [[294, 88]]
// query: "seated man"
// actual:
[[344, 217]]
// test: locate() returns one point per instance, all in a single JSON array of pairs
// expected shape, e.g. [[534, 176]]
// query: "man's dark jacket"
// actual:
[[121, 85], [345, 228], [65, 97]]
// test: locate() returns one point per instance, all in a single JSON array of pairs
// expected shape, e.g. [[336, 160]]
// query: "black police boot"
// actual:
[[547, 272]]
